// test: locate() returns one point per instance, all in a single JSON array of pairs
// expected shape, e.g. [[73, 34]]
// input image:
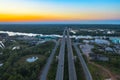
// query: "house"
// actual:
[[16, 48], [102, 41], [108, 49], [86, 41], [116, 49], [4, 35], [1, 64]]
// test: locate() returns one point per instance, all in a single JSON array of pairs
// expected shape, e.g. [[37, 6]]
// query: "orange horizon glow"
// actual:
[[37, 18], [55, 10]]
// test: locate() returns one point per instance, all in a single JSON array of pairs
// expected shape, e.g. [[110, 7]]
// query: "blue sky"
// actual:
[[58, 11]]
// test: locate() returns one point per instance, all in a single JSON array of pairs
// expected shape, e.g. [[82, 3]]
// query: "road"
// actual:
[[2, 45], [60, 67], [85, 68], [44, 73], [71, 66]]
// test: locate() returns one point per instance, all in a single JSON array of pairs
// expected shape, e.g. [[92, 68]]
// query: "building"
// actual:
[[16, 48], [102, 41], [98, 57], [108, 49], [1, 64], [115, 40], [4, 35], [51, 37]]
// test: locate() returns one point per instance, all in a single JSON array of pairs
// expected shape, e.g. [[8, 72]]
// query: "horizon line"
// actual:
[[68, 22]]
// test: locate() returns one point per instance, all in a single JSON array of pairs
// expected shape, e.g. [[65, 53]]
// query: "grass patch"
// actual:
[[79, 70], [52, 72], [78, 66], [66, 74], [113, 64], [96, 72]]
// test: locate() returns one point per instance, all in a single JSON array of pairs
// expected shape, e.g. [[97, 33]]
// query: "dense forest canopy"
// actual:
[[53, 28]]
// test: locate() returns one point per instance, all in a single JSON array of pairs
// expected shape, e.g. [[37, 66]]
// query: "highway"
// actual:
[[43, 75], [71, 66], [85, 68], [60, 67]]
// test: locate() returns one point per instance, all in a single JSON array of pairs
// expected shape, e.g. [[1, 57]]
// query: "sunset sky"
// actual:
[[60, 11]]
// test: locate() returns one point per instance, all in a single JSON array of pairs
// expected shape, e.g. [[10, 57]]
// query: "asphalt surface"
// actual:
[[86, 49], [85, 68], [60, 67], [44, 73], [71, 66]]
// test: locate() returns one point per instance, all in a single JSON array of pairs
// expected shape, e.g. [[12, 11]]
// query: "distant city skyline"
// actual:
[[60, 11]]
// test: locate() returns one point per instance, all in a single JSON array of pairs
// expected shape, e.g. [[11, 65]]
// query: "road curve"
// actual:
[[46, 68], [60, 67], [71, 66], [85, 68]]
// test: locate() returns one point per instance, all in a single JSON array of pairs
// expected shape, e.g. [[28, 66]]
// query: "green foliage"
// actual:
[[114, 60], [58, 28], [96, 72], [52, 72], [14, 70]]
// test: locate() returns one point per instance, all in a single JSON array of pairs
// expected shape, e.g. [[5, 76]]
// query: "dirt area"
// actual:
[[106, 73], [104, 70]]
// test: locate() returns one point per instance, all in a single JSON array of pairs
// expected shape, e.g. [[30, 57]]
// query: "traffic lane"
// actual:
[[72, 72], [44, 73], [60, 69], [85, 68]]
